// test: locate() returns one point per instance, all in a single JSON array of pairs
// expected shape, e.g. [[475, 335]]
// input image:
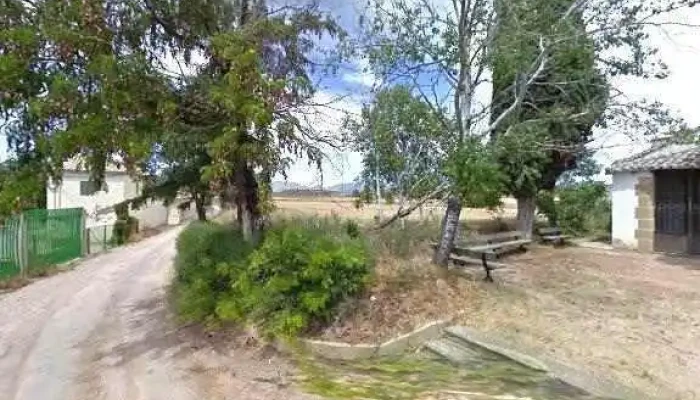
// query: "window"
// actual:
[[88, 188]]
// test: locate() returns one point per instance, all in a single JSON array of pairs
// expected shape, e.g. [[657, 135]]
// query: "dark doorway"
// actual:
[[671, 211], [694, 205]]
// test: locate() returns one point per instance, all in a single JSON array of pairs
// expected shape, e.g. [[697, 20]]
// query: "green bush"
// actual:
[[584, 209], [126, 225], [296, 278], [124, 230], [301, 270], [209, 259]]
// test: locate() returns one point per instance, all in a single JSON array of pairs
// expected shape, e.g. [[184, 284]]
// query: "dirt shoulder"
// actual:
[[634, 318]]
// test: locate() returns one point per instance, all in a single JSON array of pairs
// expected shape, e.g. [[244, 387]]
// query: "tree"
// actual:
[[444, 52], [543, 137], [586, 169], [90, 79], [22, 186], [399, 137]]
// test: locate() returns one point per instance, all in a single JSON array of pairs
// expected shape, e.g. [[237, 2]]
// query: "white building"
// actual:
[[77, 191], [656, 200]]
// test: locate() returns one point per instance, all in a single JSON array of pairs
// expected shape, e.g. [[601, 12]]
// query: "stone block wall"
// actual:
[[645, 213]]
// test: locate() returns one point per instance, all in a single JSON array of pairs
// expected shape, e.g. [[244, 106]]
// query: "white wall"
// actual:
[[152, 214], [67, 195], [624, 204]]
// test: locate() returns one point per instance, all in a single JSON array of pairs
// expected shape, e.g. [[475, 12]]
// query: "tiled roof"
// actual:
[[669, 156]]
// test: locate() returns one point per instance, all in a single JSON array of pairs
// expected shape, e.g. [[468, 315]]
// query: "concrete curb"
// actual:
[[594, 384], [346, 352], [497, 347]]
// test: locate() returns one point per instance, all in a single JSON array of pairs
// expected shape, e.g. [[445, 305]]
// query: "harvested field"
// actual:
[[345, 207]]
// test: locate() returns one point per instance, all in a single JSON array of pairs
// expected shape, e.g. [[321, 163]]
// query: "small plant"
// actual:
[[405, 242], [294, 279], [352, 229]]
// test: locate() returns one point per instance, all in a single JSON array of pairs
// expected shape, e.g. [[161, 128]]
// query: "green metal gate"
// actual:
[[53, 236], [9, 248]]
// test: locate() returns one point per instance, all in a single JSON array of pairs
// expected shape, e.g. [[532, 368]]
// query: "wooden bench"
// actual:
[[552, 235], [489, 247]]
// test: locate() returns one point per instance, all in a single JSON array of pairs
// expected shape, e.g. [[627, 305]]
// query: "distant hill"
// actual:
[[346, 189], [307, 193], [296, 189], [285, 186]]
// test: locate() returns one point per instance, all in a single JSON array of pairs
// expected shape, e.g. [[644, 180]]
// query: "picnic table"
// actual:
[[488, 248]]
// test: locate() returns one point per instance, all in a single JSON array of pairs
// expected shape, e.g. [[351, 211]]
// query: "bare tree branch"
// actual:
[[405, 212]]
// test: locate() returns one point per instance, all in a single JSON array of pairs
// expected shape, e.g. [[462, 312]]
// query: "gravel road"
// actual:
[[102, 332]]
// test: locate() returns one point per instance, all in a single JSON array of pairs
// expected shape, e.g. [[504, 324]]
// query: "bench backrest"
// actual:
[[499, 237]]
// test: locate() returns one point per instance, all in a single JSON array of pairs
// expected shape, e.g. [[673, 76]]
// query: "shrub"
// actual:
[[584, 209], [209, 258], [124, 230], [352, 229], [297, 276]]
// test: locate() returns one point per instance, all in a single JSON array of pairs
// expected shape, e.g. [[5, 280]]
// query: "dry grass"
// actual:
[[405, 295], [345, 207], [632, 317], [408, 290]]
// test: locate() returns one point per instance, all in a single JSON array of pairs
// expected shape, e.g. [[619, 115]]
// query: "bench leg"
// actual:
[[486, 268]]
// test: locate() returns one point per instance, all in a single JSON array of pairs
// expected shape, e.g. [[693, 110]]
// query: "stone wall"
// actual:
[[645, 213]]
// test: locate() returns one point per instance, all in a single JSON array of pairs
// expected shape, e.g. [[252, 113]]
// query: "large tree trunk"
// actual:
[[201, 209], [247, 201], [526, 215], [450, 227]]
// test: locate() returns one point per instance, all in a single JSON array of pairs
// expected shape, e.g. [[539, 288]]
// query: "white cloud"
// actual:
[[360, 74], [679, 48]]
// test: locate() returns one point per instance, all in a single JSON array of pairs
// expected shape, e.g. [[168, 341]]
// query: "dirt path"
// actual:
[[102, 332]]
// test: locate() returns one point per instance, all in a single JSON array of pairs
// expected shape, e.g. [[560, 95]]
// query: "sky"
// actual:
[[679, 48]]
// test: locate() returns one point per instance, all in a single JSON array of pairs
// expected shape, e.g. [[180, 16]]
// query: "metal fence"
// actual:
[[99, 239], [38, 239], [10, 263], [53, 236]]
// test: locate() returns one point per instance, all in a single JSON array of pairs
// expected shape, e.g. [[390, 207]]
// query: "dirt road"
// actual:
[[102, 332]]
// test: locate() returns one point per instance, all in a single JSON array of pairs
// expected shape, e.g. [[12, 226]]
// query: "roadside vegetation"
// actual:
[[316, 277], [290, 282]]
